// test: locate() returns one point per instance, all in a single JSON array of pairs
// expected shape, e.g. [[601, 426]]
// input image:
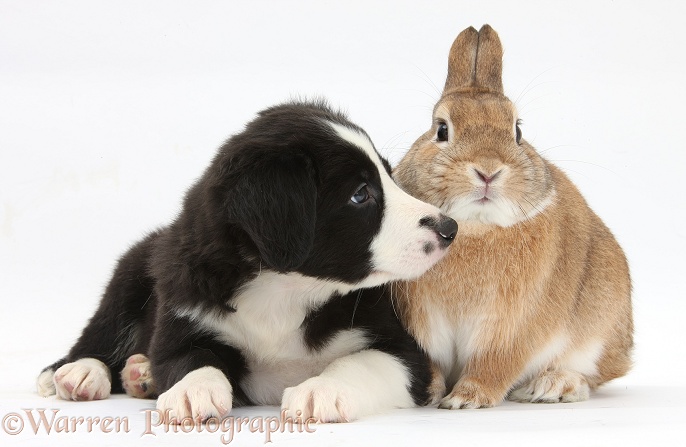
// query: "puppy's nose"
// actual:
[[445, 228]]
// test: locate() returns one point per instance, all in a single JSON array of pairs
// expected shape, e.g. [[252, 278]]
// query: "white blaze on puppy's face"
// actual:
[[403, 248]]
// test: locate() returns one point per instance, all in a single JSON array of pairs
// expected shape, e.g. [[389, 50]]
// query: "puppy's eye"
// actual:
[[518, 132], [442, 134], [361, 195]]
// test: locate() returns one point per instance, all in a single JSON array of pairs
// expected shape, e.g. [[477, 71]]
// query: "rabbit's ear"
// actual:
[[461, 61], [475, 61], [489, 61]]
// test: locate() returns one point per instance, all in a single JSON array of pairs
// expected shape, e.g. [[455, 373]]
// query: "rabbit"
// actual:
[[533, 301]]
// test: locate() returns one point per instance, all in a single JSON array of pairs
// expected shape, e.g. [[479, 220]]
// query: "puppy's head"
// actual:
[[315, 197]]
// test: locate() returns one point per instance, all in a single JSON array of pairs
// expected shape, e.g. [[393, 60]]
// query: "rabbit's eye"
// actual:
[[518, 131], [442, 134]]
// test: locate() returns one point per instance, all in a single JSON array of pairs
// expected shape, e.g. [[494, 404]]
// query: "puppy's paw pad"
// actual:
[[202, 394], [552, 387], [321, 398], [468, 395], [136, 377], [84, 379]]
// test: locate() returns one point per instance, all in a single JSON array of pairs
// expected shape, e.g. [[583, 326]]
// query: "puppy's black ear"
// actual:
[[274, 199]]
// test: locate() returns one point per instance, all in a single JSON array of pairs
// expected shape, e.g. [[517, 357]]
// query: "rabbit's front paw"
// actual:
[[469, 395], [553, 386]]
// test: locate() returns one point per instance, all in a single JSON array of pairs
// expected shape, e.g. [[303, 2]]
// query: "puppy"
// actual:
[[264, 289]]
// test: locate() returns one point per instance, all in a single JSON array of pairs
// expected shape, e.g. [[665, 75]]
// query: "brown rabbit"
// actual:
[[533, 301]]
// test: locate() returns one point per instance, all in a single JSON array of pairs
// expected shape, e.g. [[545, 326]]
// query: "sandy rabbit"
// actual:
[[533, 302]]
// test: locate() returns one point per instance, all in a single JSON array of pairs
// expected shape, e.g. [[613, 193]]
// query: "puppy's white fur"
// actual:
[[272, 300], [399, 248]]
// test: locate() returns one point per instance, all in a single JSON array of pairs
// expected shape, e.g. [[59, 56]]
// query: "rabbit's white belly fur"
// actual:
[[451, 344], [545, 356], [585, 359]]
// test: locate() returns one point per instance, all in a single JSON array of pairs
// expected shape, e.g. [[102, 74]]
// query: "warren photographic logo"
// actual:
[[49, 421], [44, 421]]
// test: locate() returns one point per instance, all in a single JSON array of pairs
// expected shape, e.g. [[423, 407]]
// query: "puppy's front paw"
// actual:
[[324, 399], [553, 386], [84, 379], [136, 377], [202, 394], [469, 395]]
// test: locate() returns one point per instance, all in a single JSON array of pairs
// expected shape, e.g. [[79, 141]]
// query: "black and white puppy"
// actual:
[[263, 290]]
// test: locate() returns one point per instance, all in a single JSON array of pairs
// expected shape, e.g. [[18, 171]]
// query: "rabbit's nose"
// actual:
[[486, 178]]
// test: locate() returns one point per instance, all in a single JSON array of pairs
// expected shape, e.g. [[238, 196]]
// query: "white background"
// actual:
[[110, 110]]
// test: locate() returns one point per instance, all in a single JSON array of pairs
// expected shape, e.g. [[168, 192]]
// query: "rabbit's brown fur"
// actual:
[[534, 298]]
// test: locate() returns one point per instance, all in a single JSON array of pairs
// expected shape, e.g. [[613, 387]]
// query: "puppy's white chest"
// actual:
[[270, 311], [267, 327]]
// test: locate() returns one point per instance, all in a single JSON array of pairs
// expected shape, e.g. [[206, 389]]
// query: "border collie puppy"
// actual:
[[264, 289]]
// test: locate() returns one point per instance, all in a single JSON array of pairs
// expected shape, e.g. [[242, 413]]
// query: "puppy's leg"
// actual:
[[115, 331], [351, 387], [136, 377], [191, 371], [86, 372]]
